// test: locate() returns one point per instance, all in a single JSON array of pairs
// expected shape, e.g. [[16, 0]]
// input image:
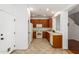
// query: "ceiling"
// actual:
[[40, 10], [74, 10]]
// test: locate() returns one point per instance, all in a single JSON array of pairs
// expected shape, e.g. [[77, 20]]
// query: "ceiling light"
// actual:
[[31, 9], [27, 8], [47, 9]]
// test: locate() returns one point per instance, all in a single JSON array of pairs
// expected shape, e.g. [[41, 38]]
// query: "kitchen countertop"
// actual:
[[48, 30], [41, 29], [54, 33]]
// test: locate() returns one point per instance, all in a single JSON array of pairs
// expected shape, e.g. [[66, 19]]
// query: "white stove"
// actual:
[[39, 33]]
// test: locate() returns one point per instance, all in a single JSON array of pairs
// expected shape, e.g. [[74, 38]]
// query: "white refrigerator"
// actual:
[[30, 32]]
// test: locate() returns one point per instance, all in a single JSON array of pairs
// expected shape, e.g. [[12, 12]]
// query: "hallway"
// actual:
[[40, 46]]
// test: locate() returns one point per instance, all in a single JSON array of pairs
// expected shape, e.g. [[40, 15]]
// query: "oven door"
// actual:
[[39, 34]]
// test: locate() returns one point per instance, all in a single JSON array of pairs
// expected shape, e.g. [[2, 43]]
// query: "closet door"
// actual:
[[7, 30]]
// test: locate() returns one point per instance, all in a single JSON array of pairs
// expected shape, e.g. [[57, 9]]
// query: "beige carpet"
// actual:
[[41, 46]]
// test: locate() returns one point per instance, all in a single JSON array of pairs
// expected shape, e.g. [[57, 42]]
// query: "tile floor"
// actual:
[[40, 46]]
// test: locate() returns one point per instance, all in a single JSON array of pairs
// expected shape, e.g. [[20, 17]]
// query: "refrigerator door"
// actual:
[[30, 32], [39, 34]]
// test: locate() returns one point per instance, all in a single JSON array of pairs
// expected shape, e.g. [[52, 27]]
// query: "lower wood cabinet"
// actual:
[[48, 36], [57, 41], [34, 34], [44, 34]]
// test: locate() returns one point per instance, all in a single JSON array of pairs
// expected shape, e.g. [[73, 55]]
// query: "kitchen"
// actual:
[[40, 21], [49, 29], [43, 28]]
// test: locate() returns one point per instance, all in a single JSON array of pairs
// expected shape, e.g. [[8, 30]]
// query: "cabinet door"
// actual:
[[57, 41], [44, 23], [35, 21], [34, 34], [44, 35], [50, 23], [48, 36]]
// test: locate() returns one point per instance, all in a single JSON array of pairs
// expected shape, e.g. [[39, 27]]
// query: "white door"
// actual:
[[7, 29]]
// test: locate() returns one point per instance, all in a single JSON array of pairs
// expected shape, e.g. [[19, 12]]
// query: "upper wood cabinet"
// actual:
[[33, 22], [50, 23], [45, 22]]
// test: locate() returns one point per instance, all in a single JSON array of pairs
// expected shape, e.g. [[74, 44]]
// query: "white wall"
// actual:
[[64, 28], [21, 15], [54, 23], [21, 27], [73, 30], [58, 23]]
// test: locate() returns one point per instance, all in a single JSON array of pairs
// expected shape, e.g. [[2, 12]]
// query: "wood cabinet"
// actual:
[[34, 34], [57, 41], [44, 35], [34, 22], [50, 23], [46, 23], [48, 36]]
